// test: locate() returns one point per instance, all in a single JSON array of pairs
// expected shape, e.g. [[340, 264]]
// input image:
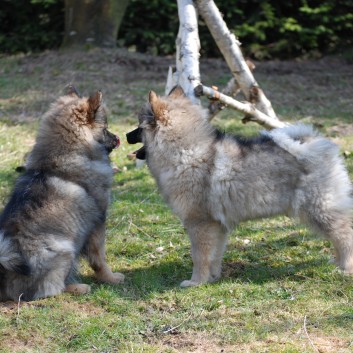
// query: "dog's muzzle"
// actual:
[[135, 136]]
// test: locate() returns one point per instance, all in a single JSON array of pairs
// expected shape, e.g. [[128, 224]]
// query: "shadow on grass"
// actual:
[[165, 274]]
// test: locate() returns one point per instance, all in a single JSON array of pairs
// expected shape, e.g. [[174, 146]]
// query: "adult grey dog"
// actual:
[[213, 181]]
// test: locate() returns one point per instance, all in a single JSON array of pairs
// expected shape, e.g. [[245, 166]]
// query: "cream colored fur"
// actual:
[[214, 181]]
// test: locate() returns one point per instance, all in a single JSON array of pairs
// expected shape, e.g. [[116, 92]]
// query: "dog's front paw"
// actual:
[[347, 268], [117, 277], [110, 277], [189, 283]]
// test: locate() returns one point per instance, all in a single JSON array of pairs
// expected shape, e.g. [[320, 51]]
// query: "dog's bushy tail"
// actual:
[[304, 143], [10, 258], [321, 159]]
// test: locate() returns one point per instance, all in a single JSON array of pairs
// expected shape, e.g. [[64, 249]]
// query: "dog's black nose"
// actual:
[[134, 136]]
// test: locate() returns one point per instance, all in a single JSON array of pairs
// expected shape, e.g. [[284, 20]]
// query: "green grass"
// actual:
[[278, 293]]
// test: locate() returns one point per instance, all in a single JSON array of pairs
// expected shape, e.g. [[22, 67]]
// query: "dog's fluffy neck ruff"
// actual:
[[180, 143], [57, 126]]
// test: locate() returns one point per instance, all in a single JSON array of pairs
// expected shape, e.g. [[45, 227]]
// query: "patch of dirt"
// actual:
[[304, 88], [205, 343], [341, 129], [192, 343], [19, 345], [330, 344], [11, 307], [23, 341]]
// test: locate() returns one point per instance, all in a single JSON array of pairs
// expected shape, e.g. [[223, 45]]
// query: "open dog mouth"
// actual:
[[141, 153], [134, 137], [111, 142], [116, 141]]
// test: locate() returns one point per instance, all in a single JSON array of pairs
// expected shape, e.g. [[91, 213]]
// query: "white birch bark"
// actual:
[[187, 73], [230, 48]]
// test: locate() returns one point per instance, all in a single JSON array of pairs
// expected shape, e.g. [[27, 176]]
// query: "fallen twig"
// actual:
[[18, 308], [141, 230], [175, 327], [307, 335]]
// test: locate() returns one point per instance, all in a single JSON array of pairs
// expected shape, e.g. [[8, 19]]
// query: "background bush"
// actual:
[[30, 26], [266, 28]]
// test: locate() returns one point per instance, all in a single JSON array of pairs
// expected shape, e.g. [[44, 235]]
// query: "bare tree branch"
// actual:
[[231, 89], [249, 109]]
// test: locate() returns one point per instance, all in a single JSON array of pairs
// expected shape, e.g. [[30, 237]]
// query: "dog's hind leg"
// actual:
[[42, 285], [58, 277], [50, 268], [342, 239], [217, 256], [208, 242], [95, 252], [327, 199], [337, 227]]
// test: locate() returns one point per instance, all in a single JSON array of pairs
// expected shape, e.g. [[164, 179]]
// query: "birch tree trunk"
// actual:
[[187, 73], [230, 48]]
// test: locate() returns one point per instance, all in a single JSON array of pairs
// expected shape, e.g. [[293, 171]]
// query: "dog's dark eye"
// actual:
[[105, 134]]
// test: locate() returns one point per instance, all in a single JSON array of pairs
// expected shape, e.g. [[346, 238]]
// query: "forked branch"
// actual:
[[257, 108], [250, 110]]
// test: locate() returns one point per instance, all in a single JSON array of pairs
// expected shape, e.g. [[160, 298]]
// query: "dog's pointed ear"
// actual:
[[159, 108], [176, 92], [72, 91], [94, 102]]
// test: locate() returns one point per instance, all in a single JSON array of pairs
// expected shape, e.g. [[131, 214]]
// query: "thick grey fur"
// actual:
[[213, 181], [58, 208]]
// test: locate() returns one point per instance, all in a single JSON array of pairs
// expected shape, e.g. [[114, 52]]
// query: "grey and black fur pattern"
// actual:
[[58, 207], [214, 181]]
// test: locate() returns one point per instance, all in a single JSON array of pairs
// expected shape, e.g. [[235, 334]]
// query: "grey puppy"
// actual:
[[213, 181], [58, 208]]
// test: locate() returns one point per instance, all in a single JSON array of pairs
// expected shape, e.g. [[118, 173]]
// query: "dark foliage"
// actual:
[[266, 28], [28, 26]]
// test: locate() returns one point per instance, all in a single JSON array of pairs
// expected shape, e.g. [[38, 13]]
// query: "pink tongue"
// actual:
[[118, 143]]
